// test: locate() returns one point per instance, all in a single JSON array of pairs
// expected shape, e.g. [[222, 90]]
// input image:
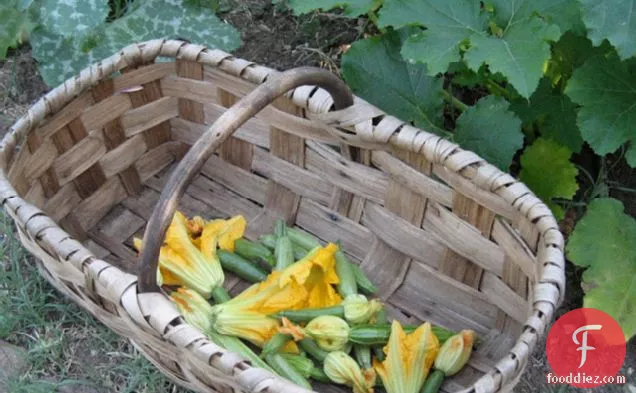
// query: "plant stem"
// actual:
[[451, 99], [374, 18], [495, 88]]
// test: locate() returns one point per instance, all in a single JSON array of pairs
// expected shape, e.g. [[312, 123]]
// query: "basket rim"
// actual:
[[548, 291]]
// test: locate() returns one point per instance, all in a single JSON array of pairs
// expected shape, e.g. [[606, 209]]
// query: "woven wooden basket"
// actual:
[[447, 237]]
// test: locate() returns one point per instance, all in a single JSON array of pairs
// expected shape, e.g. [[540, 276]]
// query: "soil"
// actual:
[[274, 37]]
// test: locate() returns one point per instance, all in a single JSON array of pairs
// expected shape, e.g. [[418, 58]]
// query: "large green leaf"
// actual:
[[489, 129], [352, 8], [612, 20], [375, 71], [564, 13], [554, 113], [152, 19], [448, 23], [604, 241], [72, 17], [547, 170], [15, 26], [606, 90], [519, 54]]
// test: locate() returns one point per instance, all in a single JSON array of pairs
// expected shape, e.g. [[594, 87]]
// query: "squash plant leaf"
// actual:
[[603, 240], [519, 54], [605, 88], [553, 112], [71, 17], [448, 24], [375, 71], [547, 170], [612, 20], [489, 129], [149, 20], [351, 8]]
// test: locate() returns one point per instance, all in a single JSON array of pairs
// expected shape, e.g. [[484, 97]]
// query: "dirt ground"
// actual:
[[277, 39]]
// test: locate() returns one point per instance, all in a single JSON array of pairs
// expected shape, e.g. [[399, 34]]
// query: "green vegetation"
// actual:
[[65, 346]]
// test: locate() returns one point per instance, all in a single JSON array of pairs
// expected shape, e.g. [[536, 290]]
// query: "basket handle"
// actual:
[[222, 128]]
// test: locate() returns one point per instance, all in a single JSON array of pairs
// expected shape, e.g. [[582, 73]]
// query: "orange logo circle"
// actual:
[[586, 348]]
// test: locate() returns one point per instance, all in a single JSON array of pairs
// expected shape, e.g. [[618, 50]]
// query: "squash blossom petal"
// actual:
[[195, 226], [293, 330], [194, 308], [455, 352], [317, 274], [330, 333], [342, 369], [195, 269], [358, 309], [227, 231], [409, 358]]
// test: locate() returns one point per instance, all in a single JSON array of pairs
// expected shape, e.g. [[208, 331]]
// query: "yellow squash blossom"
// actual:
[[342, 369], [455, 352], [226, 231], [330, 333], [317, 274], [306, 283], [358, 309], [194, 308], [182, 263], [409, 358]]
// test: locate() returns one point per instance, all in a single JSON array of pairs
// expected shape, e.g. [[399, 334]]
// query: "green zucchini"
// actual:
[[364, 284], [286, 370], [240, 266], [363, 355], [220, 295], [347, 280], [253, 251], [379, 334], [308, 345], [302, 239], [307, 314], [269, 241], [274, 344]]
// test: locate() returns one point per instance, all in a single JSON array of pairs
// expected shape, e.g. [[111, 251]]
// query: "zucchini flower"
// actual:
[[194, 308], [316, 272], [226, 231], [452, 357], [409, 358], [358, 309], [196, 311], [190, 267], [254, 327], [330, 333], [195, 226], [342, 369]]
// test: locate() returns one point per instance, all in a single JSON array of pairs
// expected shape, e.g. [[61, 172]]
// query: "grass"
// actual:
[[67, 350]]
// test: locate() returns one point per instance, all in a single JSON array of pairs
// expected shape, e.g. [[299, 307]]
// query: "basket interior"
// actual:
[[438, 248]]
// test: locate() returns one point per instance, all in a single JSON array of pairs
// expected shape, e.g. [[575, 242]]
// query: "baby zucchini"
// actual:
[[240, 266]]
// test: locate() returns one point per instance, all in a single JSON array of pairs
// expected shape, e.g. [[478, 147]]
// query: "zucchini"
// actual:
[[284, 253], [307, 314], [240, 266], [319, 375], [253, 251], [433, 382], [363, 355], [380, 319], [286, 370], [347, 280], [364, 284], [220, 295], [308, 345], [234, 344], [379, 334], [269, 241], [274, 344], [302, 239]]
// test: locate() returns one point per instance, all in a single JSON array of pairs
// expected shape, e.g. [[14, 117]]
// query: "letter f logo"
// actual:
[[584, 347]]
